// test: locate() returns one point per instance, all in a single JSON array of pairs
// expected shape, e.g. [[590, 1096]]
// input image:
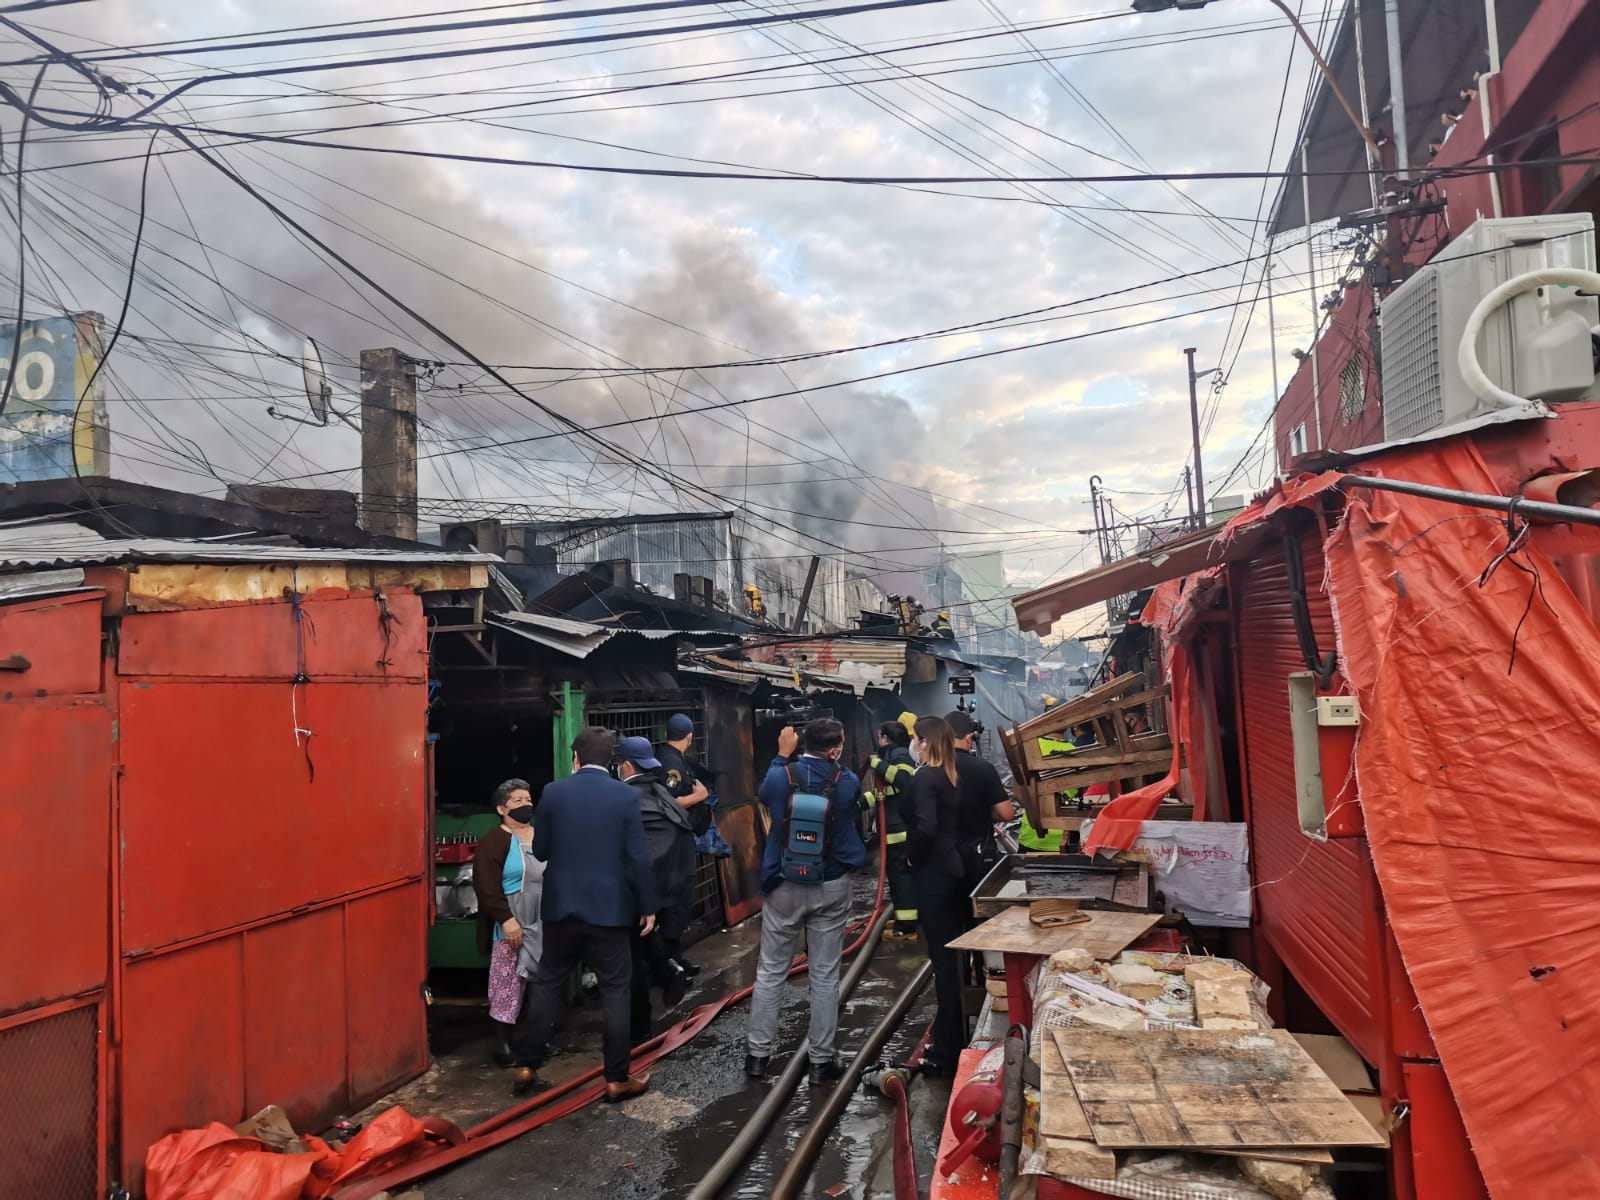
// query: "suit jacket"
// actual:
[[591, 836]]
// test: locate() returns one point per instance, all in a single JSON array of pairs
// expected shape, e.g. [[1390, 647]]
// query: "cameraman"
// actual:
[[982, 797], [818, 906]]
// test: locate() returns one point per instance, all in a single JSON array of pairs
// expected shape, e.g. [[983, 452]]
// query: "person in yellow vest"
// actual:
[[891, 771], [1045, 841]]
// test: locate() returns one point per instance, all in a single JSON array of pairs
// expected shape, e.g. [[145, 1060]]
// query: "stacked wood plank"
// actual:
[[1040, 780], [1234, 1087]]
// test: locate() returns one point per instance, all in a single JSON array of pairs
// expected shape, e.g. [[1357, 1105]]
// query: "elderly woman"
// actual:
[[508, 880]]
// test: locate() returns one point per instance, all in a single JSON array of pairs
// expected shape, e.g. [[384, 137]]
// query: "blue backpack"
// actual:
[[805, 831]]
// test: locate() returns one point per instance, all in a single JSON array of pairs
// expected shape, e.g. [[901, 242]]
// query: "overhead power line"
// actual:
[[586, 39], [208, 46], [752, 175]]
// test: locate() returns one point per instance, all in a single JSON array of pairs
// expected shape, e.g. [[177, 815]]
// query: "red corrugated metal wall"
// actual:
[[266, 912], [1311, 899]]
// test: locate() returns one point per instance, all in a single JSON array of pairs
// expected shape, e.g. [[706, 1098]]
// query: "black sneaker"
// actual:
[[687, 967], [755, 1065], [826, 1072]]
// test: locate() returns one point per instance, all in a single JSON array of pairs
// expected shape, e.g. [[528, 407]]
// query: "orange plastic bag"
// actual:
[[214, 1163], [392, 1137]]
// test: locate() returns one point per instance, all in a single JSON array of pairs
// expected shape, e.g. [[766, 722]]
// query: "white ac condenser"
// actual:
[[1538, 345]]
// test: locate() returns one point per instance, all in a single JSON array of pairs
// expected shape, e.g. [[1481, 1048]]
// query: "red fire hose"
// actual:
[[905, 1159], [585, 1089]]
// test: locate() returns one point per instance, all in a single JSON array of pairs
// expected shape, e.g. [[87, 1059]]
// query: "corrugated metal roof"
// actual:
[[66, 543], [40, 583], [577, 638], [785, 677]]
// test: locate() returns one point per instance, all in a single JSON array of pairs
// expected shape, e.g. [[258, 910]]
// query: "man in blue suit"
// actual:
[[598, 886]]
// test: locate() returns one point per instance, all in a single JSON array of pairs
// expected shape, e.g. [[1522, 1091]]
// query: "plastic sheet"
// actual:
[[1477, 782], [215, 1163]]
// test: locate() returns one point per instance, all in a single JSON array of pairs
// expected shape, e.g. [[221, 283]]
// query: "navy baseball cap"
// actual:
[[679, 725], [639, 752]]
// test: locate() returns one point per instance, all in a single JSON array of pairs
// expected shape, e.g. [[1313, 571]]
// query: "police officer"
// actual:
[[891, 770], [689, 784]]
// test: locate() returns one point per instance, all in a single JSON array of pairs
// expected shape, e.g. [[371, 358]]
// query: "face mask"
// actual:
[[522, 815]]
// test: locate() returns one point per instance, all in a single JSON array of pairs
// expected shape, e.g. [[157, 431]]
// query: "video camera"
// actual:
[[797, 715], [962, 686]]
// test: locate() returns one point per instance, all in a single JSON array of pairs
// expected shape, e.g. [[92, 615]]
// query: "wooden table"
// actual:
[[1021, 943]]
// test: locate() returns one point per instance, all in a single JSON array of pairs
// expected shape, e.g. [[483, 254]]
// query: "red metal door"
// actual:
[[1311, 902], [272, 836], [55, 823]]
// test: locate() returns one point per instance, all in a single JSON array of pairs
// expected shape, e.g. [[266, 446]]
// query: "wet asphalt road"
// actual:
[[661, 1144]]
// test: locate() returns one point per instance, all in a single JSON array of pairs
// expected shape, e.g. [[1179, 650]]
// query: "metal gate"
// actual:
[[631, 715], [1311, 896]]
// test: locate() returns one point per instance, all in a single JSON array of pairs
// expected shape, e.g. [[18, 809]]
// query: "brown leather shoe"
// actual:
[[616, 1093], [525, 1080]]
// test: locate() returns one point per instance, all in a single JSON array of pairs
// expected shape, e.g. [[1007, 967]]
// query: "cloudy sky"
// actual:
[[608, 297]]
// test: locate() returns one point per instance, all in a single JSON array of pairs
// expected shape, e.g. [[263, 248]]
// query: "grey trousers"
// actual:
[[821, 910]]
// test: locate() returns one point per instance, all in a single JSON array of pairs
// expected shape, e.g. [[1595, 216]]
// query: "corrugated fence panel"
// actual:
[[1310, 896]]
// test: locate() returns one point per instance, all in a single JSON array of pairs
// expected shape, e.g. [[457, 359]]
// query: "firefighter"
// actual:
[[890, 775], [753, 603], [941, 627]]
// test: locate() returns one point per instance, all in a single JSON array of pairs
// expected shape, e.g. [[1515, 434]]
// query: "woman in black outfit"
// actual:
[[934, 855]]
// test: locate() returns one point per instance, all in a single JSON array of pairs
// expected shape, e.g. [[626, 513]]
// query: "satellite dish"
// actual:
[[318, 391]]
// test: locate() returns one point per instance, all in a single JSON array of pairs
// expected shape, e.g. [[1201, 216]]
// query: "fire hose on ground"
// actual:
[[798, 1169], [583, 1090], [782, 1091]]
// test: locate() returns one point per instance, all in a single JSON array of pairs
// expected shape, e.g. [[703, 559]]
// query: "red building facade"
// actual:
[[1544, 112]]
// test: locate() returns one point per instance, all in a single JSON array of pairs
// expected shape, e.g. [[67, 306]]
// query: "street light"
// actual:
[[1155, 6]]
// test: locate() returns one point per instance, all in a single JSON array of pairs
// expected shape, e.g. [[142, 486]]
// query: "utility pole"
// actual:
[[1194, 427], [389, 443], [1101, 533], [1188, 487]]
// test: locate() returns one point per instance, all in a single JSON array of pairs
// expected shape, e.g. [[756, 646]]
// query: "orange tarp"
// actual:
[[1481, 791]]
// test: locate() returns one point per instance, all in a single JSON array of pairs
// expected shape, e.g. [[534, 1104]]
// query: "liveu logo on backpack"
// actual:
[[805, 833]]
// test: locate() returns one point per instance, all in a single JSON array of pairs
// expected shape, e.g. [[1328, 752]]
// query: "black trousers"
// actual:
[[942, 904], [607, 952], [902, 888], [652, 964]]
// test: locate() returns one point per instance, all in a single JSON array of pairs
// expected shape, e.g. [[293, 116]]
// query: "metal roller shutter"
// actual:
[[1310, 898]]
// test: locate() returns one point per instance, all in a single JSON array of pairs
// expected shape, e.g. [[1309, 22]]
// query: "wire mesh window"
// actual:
[[49, 1106], [1352, 391]]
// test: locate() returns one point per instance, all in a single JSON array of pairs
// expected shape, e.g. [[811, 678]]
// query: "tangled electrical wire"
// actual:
[[1517, 533]]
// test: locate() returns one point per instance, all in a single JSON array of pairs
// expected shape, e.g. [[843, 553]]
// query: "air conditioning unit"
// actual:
[[1537, 346], [483, 536]]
